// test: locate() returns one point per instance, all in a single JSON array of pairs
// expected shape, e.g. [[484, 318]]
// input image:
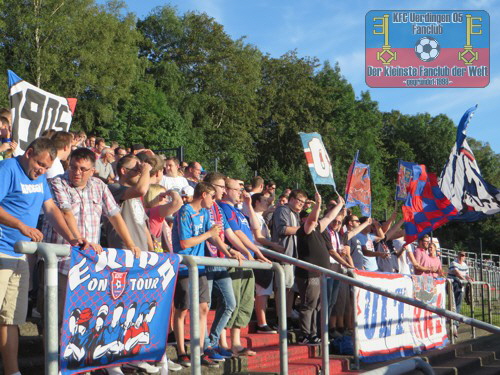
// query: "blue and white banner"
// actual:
[[387, 329], [317, 159], [35, 110], [117, 308]]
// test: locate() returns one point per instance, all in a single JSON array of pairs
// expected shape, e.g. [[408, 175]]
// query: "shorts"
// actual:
[[181, 295], [260, 291], [289, 275], [14, 285]]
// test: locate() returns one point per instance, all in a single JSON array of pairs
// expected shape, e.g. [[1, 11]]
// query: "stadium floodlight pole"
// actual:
[[49, 253]]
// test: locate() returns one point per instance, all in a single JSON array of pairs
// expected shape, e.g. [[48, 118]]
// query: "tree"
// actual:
[[73, 49]]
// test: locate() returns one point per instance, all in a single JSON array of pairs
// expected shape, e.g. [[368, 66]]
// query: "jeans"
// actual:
[[332, 287], [459, 296], [220, 282]]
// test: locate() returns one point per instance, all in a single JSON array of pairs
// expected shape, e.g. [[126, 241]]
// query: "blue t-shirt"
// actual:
[[22, 198], [237, 220], [189, 223]]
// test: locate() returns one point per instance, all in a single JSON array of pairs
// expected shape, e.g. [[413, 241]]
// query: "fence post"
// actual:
[[325, 343], [452, 307], [49, 253], [355, 330], [281, 304], [472, 308], [194, 314]]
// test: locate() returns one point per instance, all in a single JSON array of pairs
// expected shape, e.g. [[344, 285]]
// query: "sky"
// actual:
[[334, 30]]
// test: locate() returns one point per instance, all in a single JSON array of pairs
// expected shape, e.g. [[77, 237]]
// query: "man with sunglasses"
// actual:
[[133, 184]]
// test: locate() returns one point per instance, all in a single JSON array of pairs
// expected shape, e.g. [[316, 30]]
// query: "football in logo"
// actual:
[[427, 49]]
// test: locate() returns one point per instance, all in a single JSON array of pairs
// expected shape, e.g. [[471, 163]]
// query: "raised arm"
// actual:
[[332, 214]]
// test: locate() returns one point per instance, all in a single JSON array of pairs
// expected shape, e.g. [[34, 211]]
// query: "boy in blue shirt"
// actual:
[[192, 227]]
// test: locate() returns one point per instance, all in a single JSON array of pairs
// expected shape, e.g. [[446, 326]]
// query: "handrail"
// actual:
[[49, 253], [360, 284], [192, 262]]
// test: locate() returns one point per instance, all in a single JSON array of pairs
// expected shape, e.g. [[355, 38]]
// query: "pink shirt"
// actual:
[[421, 256], [432, 263]]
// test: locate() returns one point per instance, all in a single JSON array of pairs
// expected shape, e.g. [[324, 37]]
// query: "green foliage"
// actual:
[[172, 80]]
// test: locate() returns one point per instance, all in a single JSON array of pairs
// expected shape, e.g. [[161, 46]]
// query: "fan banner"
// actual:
[[405, 173], [358, 191], [387, 329], [117, 308], [35, 110], [427, 48], [317, 158]]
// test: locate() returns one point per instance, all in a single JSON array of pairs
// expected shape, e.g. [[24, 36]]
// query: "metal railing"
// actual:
[[192, 262], [50, 252], [357, 283]]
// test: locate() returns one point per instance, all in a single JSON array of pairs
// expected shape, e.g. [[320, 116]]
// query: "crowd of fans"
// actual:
[[96, 194]]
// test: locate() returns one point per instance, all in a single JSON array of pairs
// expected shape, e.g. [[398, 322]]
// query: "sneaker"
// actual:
[[184, 360], [144, 366], [224, 352], [334, 335], [172, 366], [315, 340], [265, 329], [307, 341], [205, 361], [214, 355]]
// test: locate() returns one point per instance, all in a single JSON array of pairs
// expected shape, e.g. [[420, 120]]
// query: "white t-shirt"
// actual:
[[405, 266], [369, 263], [56, 169], [174, 183]]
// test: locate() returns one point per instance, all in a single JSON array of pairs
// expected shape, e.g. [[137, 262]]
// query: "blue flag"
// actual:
[[317, 159], [117, 308], [462, 183]]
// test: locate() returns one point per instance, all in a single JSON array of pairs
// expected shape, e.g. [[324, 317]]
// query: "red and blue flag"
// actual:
[[358, 190], [426, 207]]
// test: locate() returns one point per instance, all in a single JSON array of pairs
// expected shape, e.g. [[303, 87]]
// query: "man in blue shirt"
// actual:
[[23, 192], [243, 279]]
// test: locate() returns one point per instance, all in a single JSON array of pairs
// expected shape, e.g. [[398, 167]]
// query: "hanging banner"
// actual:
[[387, 329], [405, 173], [35, 110], [317, 159], [117, 308], [358, 191]]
